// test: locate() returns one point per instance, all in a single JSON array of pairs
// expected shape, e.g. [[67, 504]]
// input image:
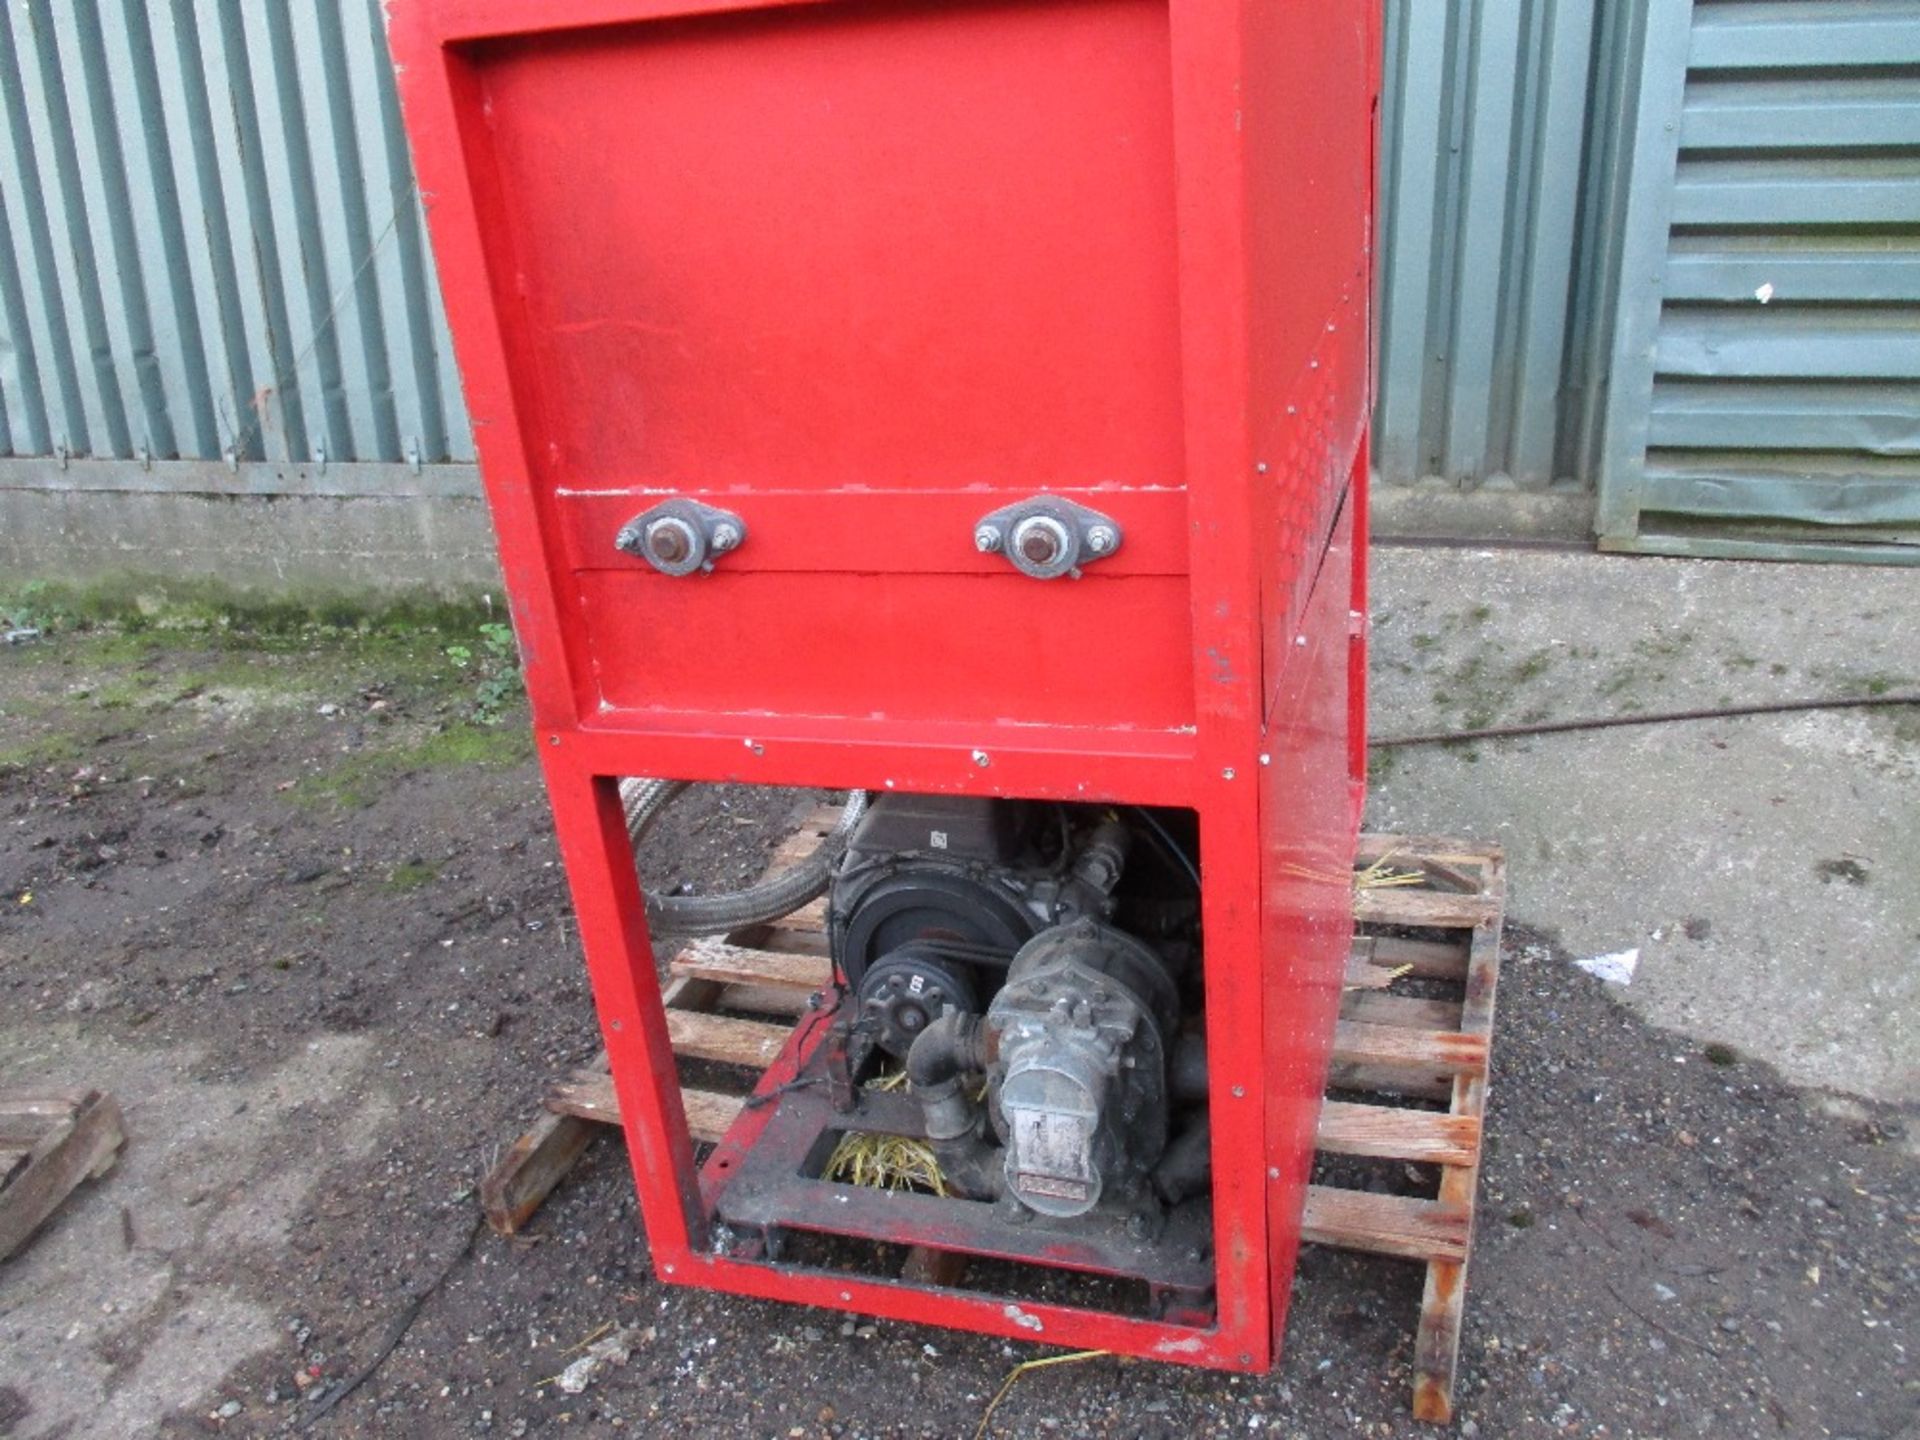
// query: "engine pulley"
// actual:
[[907, 990]]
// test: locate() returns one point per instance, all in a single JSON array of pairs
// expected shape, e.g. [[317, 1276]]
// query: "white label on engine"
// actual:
[[937, 839]]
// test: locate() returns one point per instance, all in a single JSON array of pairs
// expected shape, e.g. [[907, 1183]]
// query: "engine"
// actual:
[[1034, 966]]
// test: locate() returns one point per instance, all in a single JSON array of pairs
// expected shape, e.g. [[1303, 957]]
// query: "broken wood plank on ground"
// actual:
[[49, 1143]]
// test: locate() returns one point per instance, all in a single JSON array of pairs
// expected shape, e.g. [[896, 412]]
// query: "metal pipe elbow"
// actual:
[[939, 1063]]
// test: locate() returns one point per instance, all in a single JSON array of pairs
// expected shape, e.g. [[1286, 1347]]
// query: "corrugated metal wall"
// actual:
[[1485, 246], [210, 247], [1769, 366], [210, 243]]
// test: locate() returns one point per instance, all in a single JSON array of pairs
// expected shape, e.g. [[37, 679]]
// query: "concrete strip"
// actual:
[[1763, 867]]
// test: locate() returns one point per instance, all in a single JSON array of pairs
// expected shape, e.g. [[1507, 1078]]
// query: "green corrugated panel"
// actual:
[[211, 247], [1767, 373]]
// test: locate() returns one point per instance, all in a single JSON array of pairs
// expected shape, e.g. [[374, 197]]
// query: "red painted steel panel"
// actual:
[[1307, 895], [926, 244], [906, 647], [854, 269]]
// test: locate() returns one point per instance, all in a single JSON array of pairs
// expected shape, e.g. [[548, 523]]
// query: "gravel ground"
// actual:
[[300, 910]]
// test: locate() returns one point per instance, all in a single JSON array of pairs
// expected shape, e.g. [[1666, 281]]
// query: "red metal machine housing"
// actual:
[[859, 273]]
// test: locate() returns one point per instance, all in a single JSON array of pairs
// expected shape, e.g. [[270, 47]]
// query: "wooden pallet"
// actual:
[[1395, 1057], [49, 1143]]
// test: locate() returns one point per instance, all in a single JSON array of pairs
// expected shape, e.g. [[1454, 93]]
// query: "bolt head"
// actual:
[[670, 541], [726, 535], [987, 539], [1039, 546], [1101, 539]]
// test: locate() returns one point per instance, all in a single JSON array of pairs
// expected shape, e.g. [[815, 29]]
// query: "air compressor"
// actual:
[[959, 406]]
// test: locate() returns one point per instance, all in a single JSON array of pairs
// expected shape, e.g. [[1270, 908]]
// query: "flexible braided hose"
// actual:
[[643, 800]]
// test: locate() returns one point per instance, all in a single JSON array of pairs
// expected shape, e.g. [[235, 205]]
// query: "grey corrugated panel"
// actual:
[[100, 426], [1784, 383], [1792, 34], [1484, 129], [1601, 238], [93, 181], [212, 239], [32, 261], [1412, 120], [1489, 182], [22, 405], [1872, 417], [1810, 342], [159, 221], [1789, 270], [1722, 544], [351, 245], [314, 368], [1838, 495], [1859, 190], [403, 272], [1651, 151], [1795, 114], [1538, 360], [460, 446], [206, 197], [270, 413]]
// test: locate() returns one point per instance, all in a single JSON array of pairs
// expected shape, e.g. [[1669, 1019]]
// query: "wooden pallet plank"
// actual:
[[809, 919], [23, 1132], [741, 965], [71, 1150], [943, 1269], [1371, 849], [523, 1177], [1393, 1132], [788, 1005], [591, 1097], [1394, 1047], [1375, 1007], [1436, 1348], [1366, 1079], [1384, 1224], [699, 1036], [796, 940], [12, 1162], [1373, 955], [1406, 905], [45, 1104]]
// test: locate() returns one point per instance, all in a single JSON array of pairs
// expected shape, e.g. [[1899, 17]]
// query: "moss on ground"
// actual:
[[361, 778]]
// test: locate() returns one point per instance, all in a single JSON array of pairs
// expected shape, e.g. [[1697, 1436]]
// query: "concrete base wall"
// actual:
[[300, 548]]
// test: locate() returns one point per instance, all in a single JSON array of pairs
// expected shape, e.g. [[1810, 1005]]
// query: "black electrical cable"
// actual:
[[1668, 717], [1168, 844]]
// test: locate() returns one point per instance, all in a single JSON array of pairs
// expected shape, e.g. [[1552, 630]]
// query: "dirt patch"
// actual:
[[306, 918]]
